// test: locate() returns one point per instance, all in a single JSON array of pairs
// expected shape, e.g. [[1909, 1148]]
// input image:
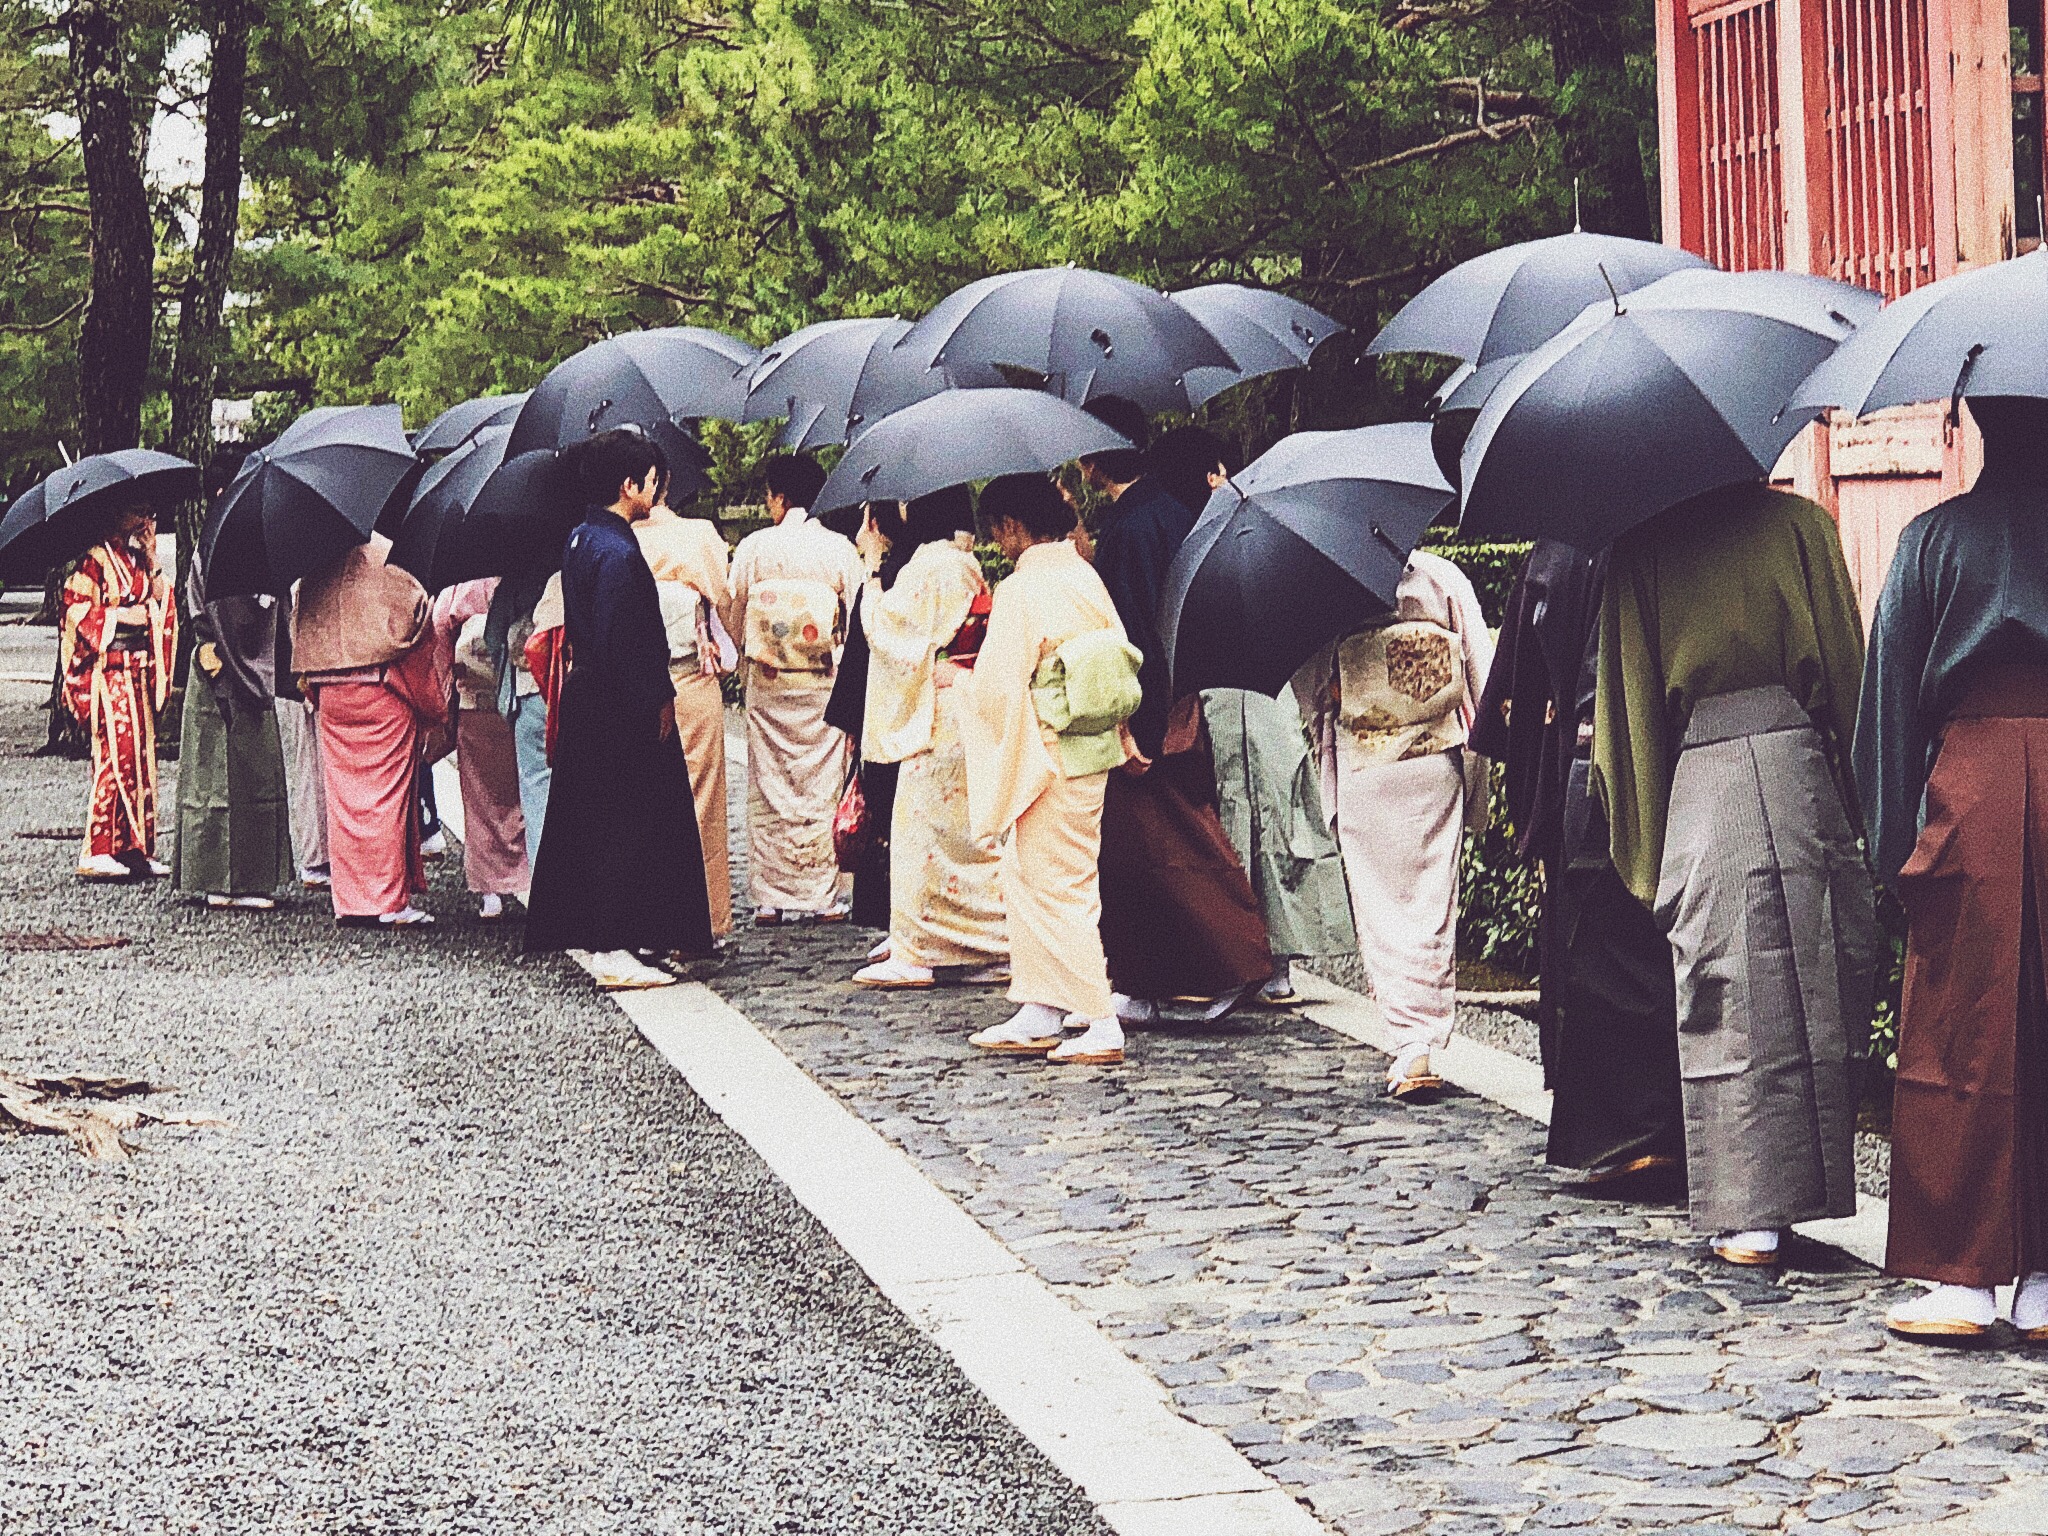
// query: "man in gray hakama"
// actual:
[[1731, 655]]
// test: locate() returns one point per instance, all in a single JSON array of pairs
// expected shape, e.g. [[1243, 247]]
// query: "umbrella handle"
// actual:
[[1955, 398]]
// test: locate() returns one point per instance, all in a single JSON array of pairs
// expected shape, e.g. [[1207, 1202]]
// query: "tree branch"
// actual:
[[47, 325], [1489, 133], [46, 205]]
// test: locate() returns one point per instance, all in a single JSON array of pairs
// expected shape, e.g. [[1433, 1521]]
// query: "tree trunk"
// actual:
[[1598, 128], [202, 332], [113, 139]]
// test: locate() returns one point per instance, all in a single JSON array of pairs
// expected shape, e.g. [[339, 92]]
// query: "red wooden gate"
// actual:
[[1871, 81], [1740, 141]]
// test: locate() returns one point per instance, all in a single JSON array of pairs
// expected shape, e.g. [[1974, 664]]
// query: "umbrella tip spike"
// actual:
[[1578, 224]]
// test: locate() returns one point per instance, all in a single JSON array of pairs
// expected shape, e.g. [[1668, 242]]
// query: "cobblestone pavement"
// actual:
[[1394, 1310]]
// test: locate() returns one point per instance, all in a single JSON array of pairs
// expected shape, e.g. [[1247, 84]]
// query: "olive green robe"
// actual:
[[1740, 588]]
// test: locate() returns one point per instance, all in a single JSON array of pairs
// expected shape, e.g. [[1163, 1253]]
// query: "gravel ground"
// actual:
[[467, 1257]]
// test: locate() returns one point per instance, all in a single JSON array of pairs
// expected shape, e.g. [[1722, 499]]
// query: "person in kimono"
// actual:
[[234, 843], [1607, 1015], [924, 633], [689, 558], [1390, 708], [494, 859], [524, 622], [1035, 785], [793, 584], [1266, 787], [1179, 917], [1952, 725], [847, 711], [621, 871], [118, 637], [1731, 654], [362, 641]]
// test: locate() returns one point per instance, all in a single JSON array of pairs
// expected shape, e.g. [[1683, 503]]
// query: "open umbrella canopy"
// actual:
[[1677, 389], [1518, 297], [1084, 333], [478, 513], [1306, 544], [1982, 332], [1264, 332], [1455, 409], [959, 437], [307, 499], [654, 380], [456, 425], [811, 376], [55, 519]]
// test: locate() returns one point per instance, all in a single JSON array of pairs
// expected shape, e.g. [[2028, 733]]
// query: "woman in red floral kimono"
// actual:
[[120, 627]]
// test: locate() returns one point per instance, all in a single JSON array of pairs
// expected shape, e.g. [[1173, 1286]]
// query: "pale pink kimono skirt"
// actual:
[[493, 826], [369, 748]]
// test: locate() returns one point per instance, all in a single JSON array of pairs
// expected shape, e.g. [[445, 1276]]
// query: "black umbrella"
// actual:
[[456, 425], [1306, 544], [1455, 409], [1982, 332], [53, 521], [1518, 297], [809, 378], [654, 380], [1083, 333], [1265, 332], [1678, 389], [959, 437], [478, 513], [307, 499]]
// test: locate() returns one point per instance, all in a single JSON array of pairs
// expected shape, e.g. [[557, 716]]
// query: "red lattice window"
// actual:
[[1741, 206], [1879, 229]]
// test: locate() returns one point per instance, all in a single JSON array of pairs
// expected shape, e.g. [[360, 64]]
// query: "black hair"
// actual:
[[929, 519], [1121, 465], [1183, 459], [2015, 429], [607, 461], [1033, 502], [795, 477], [221, 469]]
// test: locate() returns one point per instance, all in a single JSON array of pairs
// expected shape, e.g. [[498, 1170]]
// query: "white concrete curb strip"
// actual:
[[1097, 1415]]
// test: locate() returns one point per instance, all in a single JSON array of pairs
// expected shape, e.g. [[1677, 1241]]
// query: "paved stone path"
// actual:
[[1393, 1309]]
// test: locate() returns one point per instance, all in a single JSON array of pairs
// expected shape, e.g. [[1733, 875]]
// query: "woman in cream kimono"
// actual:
[[1390, 707], [1042, 790], [494, 861], [923, 632], [690, 564]]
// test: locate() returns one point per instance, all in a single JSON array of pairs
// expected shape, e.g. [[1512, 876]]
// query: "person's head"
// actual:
[[1022, 510], [793, 480], [932, 519], [132, 520], [1190, 462], [2015, 430], [1112, 471], [621, 469], [221, 469]]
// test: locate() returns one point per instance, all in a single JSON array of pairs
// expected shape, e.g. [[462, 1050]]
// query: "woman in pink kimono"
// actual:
[[486, 763], [924, 632]]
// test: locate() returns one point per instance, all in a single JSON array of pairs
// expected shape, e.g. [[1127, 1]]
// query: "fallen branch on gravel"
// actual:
[[85, 1109]]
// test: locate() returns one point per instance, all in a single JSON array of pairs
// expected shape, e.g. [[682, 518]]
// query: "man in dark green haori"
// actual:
[[234, 829], [1731, 655]]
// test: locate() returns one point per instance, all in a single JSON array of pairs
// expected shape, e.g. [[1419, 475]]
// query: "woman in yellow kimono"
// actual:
[[1040, 789], [689, 558], [120, 633], [923, 632]]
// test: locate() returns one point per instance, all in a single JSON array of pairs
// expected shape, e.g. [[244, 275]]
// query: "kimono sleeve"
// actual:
[[87, 626], [1892, 739], [1632, 746]]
